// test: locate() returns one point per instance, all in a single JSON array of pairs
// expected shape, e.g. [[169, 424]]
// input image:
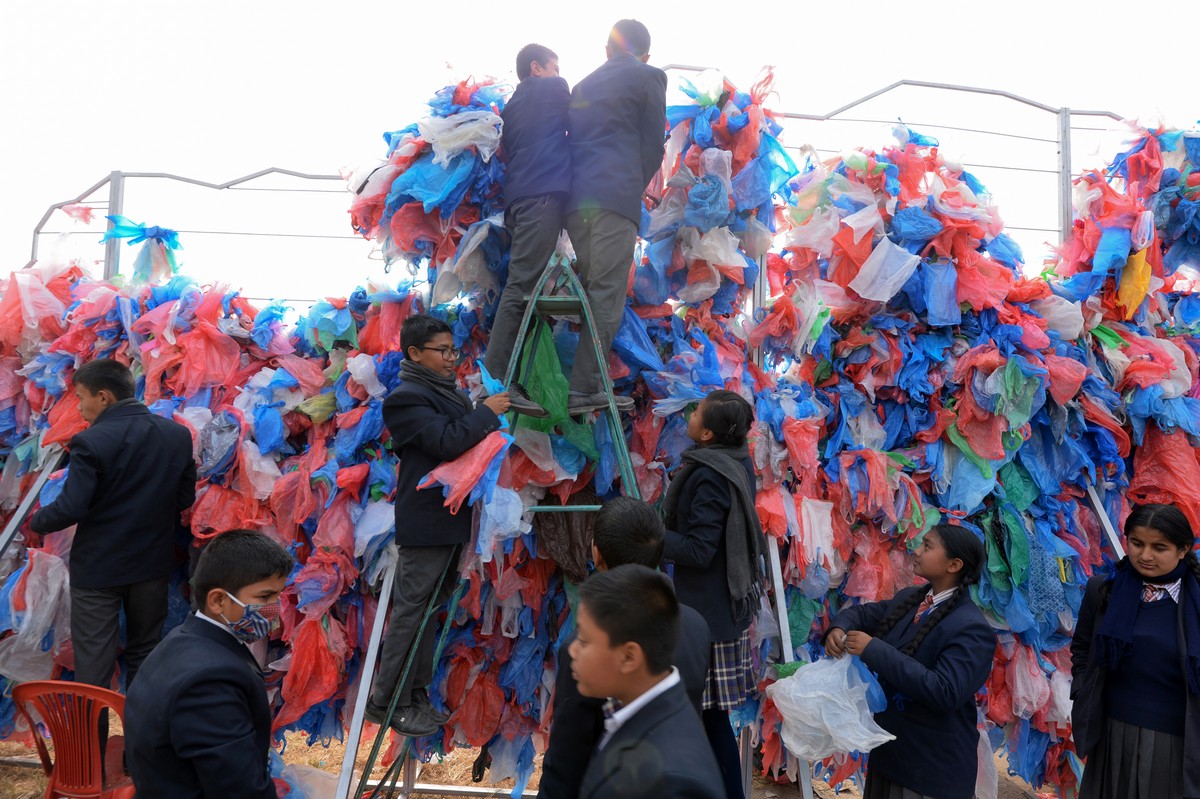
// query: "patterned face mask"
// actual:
[[257, 621]]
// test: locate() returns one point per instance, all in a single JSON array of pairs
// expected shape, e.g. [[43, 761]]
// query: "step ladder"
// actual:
[[557, 294]]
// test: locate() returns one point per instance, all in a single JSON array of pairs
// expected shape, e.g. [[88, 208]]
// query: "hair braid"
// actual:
[[943, 610], [904, 608], [1193, 562]]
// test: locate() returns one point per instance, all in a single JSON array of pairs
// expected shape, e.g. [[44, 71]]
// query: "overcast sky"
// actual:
[[218, 89]]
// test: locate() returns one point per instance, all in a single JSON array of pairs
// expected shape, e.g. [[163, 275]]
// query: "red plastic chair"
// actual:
[[71, 712]]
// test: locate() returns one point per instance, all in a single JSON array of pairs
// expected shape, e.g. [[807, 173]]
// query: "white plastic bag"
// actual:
[[1062, 315], [884, 273], [449, 136], [45, 623], [501, 518], [824, 710]]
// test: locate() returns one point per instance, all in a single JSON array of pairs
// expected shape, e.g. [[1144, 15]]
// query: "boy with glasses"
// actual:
[[430, 421]]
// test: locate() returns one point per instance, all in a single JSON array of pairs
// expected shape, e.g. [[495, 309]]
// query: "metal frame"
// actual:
[[49, 466]]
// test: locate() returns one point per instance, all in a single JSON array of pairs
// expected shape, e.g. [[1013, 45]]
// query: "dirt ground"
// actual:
[[29, 783]]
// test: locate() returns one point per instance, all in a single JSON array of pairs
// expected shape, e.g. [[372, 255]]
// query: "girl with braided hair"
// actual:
[[932, 650], [1135, 666]]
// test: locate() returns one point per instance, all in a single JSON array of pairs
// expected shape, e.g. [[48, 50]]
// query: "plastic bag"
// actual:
[[460, 476], [40, 610], [885, 271], [825, 710], [449, 136]]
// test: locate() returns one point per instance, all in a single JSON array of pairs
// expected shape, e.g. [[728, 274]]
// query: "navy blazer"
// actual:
[[697, 548], [534, 139], [660, 753], [428, 429], [931, 695], [1088, 676], [618, 123], [131, 476], [578, 720], [197, 722]]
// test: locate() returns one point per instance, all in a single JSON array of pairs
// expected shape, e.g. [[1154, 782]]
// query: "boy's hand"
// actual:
[[498, 403], [856, 642], [835, 642]]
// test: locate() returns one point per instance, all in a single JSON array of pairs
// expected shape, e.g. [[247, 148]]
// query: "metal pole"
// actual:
[[116, 207], [1065, 173], [1105, 522], [15, 521]]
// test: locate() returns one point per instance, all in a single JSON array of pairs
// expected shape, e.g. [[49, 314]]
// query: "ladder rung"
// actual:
[[559, 305], [563, 508]]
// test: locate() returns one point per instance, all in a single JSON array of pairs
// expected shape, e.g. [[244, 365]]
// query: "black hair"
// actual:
[[1166, 519], [635, 603], [235, 559], [105, 374], [530, 53], [419, 329], [628, 530], [960, 543], [728, 416], [629, 36]]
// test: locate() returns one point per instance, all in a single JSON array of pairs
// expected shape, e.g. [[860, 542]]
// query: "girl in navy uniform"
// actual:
[[715, 540], [932, 650], [1135, 666]]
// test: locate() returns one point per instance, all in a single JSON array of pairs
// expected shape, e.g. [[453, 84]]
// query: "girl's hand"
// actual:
[[835, 642], [856, 642]]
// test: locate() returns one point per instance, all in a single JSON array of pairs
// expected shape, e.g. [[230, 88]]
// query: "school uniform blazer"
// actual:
[[131, 476], [931, 695], [697, 548], [578, 722], [428, 429], [618, 124], [534, 140], [197, 722], [660, 753], [1088, 676]]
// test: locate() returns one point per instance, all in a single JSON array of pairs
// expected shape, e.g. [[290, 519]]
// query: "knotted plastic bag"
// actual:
[[825, 710]]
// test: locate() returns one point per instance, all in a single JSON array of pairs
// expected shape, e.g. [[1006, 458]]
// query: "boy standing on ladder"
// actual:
[[537, 183], [618, 122], [430, 421]]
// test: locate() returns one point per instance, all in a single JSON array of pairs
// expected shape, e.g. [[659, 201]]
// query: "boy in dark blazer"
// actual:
[[626, 531], [653, 745], [197, 722], [537, 181], [430, 421], [618, 122], [131, 475]]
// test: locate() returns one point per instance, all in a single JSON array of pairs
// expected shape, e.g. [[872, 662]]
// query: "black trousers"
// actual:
[[417, 573], [96, 624]]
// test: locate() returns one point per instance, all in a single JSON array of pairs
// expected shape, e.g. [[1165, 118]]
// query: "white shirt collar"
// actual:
[[622, 716], [943, 596], [218, 623], [1172, 589]]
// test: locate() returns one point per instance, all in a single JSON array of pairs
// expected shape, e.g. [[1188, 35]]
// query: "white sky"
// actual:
[[218, 89]]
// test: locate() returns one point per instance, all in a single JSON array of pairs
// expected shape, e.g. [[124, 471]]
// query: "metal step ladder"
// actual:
[[557, 294]]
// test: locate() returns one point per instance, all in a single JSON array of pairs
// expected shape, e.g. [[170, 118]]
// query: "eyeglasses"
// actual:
[[448, 353]]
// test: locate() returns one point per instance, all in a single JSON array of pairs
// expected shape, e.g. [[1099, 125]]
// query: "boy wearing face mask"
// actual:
[[197, 721]]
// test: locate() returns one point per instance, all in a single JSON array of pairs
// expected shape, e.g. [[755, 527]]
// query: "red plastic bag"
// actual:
[[460, 475], [65, 420], [1166, 469], [315, 671]]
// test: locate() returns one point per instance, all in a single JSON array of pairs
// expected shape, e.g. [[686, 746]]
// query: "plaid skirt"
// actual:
[[730, 680], [1134, 763]]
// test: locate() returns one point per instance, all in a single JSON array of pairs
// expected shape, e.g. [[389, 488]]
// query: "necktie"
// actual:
[[924, 607], [1152, 592]]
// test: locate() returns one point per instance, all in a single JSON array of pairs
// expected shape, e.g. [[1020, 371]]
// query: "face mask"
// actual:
[[256, 623]]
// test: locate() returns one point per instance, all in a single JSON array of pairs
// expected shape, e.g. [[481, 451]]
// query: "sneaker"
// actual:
[[578, 403], [421, 702], [407, 720], [521, 403]]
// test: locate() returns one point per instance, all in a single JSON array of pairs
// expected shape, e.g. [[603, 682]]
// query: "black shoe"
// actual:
[[585, 403], [521, 403], [421, 701], [407, 720]]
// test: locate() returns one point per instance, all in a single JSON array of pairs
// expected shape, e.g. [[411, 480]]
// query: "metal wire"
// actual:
[[945, 127]]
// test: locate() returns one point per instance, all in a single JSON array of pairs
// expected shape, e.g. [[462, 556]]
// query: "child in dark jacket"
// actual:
[[716, 543], [430, 421], [932, 650], [1135, 666]]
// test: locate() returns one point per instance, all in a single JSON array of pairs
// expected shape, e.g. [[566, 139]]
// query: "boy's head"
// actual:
[[627, 627], [428, 341], [629, 37], [538, 61], [238, 568], [627, 530], [101, 383]]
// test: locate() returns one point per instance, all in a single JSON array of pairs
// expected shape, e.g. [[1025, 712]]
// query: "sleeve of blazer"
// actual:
[[961, 668], [414, 423], [572, 735], [77, 493], [696, 546], [654, 125], [210, 725], [1081, 640]]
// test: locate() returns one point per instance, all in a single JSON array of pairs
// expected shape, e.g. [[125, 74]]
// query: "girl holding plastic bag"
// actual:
[[716, 543], [1135, 666], [932, 650]]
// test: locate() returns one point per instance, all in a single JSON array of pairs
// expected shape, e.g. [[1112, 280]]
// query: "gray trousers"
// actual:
[[417, 573], [604, 242], [95, 627], [534, 224]]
